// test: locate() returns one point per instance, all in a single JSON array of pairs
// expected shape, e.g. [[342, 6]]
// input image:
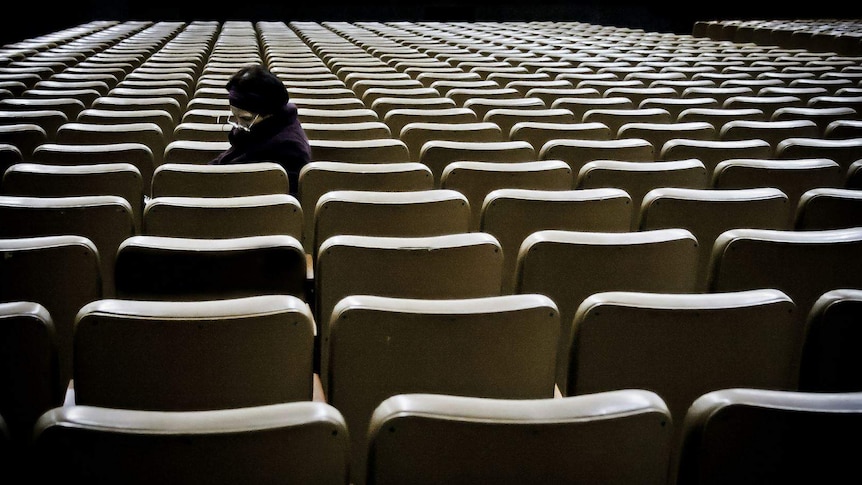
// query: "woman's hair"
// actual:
[[255, 89]]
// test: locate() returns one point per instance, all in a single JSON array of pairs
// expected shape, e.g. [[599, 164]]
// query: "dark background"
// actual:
[[34, 18]]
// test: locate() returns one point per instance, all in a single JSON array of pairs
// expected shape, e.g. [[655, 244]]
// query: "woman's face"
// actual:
[[243, 119]]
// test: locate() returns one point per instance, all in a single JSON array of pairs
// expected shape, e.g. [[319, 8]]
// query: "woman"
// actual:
[[265, 124]]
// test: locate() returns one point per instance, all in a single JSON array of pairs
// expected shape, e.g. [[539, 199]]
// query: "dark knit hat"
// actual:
[[255, 89]]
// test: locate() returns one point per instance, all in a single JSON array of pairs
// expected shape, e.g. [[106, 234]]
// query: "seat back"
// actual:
[[223, 217], [60, 273], [829, 208], [437, 154], [377, 150], [29, 368], [191, 180], [707, 213], [569, 266], [512, 214], [803, 264], [829, 360], [495, 347], [793, 177], [577, 152], [134, 153], [193, 355], [106, 220], [615, 437], [174, 268], [194, 152], [463, 265], [769, 436], [681, 345], [300, 442], [413, 213]]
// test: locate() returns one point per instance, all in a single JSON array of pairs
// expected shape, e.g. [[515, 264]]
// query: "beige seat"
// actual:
[[198, 131], [172, 268], [477, 179], [302, 442], [802, 264], [46, 180], [713, 152], [160, 117], [692, 341], [398, 117], [844, 152], [616, 437], [829, 208], [772, 132], [463, 265], [512, 214], [843, 129], [506, 118], [580, 105], [48, 119], [578, 152], [707, 213], [675, 106], [830, 326], [380, 150], [149, 134], [820, 116], [136, 154], [365, 130], [750, 434], [320, 115], [193, 355], [616, 118], [71, 107], [194, 152], [537, 133], [793, 177], [235, 180], [481, 106], [164, 103], [23, 136], [659, 133], [569, 266], [106, 220], [380, 346], [223, 217], [62, 274], [437, 154], [411, 213], [29, 370], [384, 104], [719, 116], [416, 134]]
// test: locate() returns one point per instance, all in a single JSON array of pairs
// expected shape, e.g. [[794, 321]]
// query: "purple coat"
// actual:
[[279, 139]]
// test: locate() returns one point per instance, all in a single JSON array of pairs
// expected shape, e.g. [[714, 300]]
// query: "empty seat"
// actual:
[[682, 345], [192, 180], [712, 152], [842, 151], [709, 212], [615, 118], [829, 208], [23, 136], [537, 133], [136, 154], [437, 154], [170, 268], [802, 264], [772, 132], [659, 133], [148, 134], [223, 217], [829, 361], [193, 355], [769, 436], [381, 346], [577, 152], [194, 152], [379, 150], [62, 274], [793, 177], [416, 134], [512, 214], [296, 442], [616, 437], [568, 266]]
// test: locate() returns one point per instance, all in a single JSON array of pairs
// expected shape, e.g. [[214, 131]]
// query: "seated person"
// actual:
[[265, 124]]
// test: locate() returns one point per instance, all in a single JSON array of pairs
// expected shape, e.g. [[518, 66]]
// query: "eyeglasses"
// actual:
[[234, 122]]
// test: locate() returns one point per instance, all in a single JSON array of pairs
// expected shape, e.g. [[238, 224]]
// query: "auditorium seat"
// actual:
[[493, 347], [193, 152], [173, 268], [160, 117], [569, 266], [379, 150], [577, 152], [23, 136], [29, 371], [708, 212], [463, 265], [616, 437], [397, 118], [223, 217], [537, 133], [62, 274], [829, 208], [411, 213], [415, 134], [756, 435], [48, 119], [437, 154], [820, 116], [713, 152], [511, 214], [773, 131], [842, 151], [853, 179], [299, 442], [364, 130], [148, 134], [47, 180], [658, 133], [638, 178], [802, 264], [581, 104], [71, 107], [134, 153], [682, 345], [193, 180], [829, 361], [193, 355], [120, 103], [793, 177], [719, 116]]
